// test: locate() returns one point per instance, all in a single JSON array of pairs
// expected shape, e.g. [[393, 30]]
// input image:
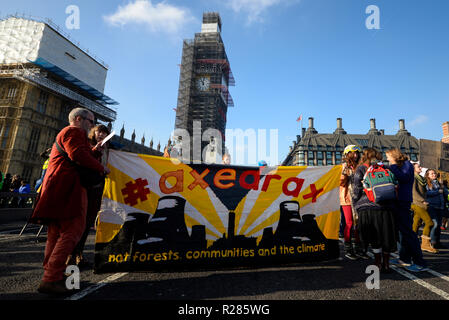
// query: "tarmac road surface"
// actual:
[[342, 279]]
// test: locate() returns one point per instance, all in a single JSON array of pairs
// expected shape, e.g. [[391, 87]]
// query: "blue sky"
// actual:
[[289, 57]]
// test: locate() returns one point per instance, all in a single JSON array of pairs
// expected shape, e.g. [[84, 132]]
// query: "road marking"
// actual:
[[89, 290], [426, 285], [435, 273], [422, 283]]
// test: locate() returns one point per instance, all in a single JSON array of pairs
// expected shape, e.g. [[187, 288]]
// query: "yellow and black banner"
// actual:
[[159, 212]]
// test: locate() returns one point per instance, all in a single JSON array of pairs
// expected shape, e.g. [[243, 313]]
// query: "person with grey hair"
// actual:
[[62, 203]]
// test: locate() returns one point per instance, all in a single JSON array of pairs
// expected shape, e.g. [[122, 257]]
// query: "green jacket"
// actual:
[[419, 191]]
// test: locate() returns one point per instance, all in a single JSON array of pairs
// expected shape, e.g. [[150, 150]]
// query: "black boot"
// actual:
[[359, 249], [378, 260], [349, 251], [386, 263]]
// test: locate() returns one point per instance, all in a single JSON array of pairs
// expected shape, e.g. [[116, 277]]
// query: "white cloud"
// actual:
[[255, 8], [420, 119], [160, 17]]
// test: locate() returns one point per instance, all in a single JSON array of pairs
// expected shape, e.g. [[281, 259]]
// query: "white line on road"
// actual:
[[435, 273], [422, 283], [89, 290]]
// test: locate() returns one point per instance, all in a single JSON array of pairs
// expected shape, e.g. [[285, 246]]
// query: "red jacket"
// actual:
[[62, 196]]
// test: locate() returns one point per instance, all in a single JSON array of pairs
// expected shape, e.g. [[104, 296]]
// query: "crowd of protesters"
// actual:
[[69, 208], [391, 225], [17, 185]]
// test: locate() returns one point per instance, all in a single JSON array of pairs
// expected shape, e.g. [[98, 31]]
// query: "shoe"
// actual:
[[54, 288], [399, 263], [351, 256], [427, 246], [83, 263], [362, 255], [416, 268]]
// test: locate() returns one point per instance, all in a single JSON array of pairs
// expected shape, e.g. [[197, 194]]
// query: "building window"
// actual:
[[5, 135], [320, 162], [362, 142], [301, 161], [34, 140], [337, 157], [414, 157], [12, 91], [42, 102], [329, 157], [319, 155]]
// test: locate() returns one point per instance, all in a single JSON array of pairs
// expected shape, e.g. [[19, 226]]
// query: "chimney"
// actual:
[[382, 132], [402, 129], [445, 132], [310, 123], [339, 129], [311, 129], [303, 132], [372, 129]]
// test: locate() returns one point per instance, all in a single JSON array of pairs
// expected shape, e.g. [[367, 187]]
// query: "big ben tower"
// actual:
[[203, 96]]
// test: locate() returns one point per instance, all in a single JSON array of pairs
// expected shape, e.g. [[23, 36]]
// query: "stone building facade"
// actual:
[[320, 149]]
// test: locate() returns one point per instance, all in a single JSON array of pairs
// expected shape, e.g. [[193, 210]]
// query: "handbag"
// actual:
[[88, 177]]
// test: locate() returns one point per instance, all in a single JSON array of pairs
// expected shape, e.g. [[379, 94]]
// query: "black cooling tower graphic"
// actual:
[[167, 226], [292, 227], [289, 225]]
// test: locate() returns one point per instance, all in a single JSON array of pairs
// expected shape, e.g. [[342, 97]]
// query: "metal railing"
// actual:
[[9, 200]]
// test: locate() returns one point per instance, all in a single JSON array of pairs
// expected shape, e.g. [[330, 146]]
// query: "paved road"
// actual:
[[21, 259]]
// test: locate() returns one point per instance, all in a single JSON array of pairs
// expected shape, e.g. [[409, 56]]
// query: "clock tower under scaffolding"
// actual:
[[203, 96]]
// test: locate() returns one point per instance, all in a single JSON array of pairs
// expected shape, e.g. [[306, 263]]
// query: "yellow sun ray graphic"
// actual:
[[192, 195]]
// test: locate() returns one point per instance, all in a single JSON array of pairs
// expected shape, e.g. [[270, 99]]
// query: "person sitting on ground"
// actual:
[[24, 189]]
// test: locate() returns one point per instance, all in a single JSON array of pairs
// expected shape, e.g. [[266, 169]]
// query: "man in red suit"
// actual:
[[63, 200]]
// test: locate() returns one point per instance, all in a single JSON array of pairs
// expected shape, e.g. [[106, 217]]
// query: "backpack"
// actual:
[[379, 184]]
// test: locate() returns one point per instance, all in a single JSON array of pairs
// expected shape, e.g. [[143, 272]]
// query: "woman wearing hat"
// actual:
[[350, 161]]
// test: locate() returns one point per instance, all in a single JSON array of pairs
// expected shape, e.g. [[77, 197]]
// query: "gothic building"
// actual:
[[43, 76]]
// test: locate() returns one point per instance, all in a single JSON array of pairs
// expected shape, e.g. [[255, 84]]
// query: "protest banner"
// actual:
[[157, 212]]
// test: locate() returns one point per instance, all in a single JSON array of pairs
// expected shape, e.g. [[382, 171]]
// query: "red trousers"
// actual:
[[347, 210], [62, 237]]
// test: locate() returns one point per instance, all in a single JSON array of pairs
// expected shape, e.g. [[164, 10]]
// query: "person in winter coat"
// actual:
[[419, 207], [435, 195], [62, 203], [409, 246], [376, 221], [94, 197], [353, 248]]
